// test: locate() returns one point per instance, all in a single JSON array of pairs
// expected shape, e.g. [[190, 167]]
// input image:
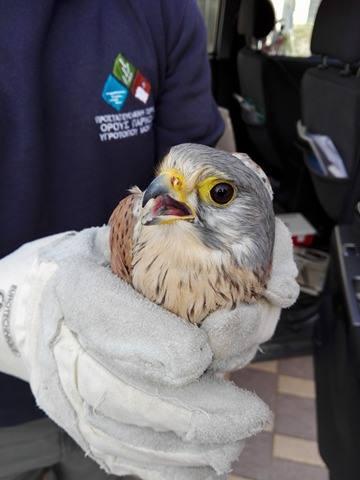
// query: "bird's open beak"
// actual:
[[164, 201]]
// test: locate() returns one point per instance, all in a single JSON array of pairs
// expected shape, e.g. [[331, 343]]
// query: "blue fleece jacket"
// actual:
[[92, 94]]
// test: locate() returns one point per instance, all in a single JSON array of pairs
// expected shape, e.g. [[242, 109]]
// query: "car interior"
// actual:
[[288, 74]]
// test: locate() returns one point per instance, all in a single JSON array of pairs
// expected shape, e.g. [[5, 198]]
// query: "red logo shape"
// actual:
[[141, 88]]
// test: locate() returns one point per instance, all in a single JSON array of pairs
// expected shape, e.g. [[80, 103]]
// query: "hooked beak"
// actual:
[[161, 202]]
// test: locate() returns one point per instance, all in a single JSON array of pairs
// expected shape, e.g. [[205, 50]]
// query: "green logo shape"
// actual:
[[124, 70]]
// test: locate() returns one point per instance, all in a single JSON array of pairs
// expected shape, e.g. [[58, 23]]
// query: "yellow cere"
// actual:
[[179, 186], [205, 187], [177, 182]]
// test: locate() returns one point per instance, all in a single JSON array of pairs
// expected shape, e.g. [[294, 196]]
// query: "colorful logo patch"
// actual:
[[124, 70], [125, 77], [141, 88], [114, 93]]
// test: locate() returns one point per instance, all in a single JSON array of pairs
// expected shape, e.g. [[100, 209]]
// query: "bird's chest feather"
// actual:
[[174, 269]]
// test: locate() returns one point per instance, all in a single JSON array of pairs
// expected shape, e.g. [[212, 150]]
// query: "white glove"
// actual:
[[117, 372], [236, 336]]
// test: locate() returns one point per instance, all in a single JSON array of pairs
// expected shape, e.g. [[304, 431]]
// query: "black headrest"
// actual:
[[256, 18], [336, 31]]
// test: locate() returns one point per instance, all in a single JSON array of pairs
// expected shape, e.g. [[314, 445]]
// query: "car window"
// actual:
[[211, 11], [295, 21]]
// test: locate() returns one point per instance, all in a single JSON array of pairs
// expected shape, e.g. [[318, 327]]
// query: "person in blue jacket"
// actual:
[[93, 93]]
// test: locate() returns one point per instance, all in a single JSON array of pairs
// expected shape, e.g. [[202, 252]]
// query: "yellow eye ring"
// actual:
[[216, 191]]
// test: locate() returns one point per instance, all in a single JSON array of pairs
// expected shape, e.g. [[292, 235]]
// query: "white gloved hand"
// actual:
[[117, 372], [236, 336]]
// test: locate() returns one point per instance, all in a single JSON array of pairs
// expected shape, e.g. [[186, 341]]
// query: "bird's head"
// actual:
[[220, 198]]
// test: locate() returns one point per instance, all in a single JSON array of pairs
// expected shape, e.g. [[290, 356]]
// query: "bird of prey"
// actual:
[[200, 237]]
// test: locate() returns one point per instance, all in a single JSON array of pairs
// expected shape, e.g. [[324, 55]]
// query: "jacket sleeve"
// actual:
[[186, 110]]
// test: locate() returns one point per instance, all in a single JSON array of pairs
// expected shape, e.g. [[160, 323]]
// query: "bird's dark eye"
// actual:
[[222, 193]]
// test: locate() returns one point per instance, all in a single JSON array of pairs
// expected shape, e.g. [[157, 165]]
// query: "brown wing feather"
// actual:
[[122, 223]]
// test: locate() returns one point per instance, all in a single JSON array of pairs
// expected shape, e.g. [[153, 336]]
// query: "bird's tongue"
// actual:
[[166, 205]]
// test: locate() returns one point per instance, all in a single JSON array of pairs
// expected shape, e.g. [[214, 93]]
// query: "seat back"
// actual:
[[271, 84], [331, 103], [250, 63]]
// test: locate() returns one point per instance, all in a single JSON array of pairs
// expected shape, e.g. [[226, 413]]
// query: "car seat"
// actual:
[[331, 103]]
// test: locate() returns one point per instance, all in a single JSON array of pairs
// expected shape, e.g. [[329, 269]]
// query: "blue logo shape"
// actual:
[[114, 93]]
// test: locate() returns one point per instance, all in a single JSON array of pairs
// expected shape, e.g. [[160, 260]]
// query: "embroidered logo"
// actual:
[[114, 93], [125, 81], [124, 70], [125, 78], [141, 88]]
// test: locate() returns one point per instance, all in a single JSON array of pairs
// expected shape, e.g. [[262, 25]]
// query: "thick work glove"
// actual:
[[121, 375], [236, 336]]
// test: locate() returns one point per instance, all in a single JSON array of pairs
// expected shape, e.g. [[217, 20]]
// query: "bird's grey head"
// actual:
[[228, 204]]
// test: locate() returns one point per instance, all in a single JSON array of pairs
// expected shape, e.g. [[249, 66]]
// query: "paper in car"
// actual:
[[326, 158], [330, 156]]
